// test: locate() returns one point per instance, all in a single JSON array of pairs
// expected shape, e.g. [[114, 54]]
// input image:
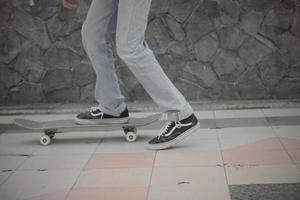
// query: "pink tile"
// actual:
[[290, 143], [295, 154], [114, 193], [267, 144], [193, 158], [263, 174], [116, 177], [52, 196], [121, 160], [255, 156]]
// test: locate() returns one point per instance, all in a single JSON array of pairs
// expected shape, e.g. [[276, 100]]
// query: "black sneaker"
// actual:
[[96, 116], [174, 132]]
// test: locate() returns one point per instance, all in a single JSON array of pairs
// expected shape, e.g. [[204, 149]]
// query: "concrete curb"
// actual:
[[151, 107]]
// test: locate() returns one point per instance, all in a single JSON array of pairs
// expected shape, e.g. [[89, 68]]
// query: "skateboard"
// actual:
[[50, 128]]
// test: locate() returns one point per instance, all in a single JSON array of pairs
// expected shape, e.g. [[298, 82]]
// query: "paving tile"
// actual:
[[172, 176], [295, 154], [187, 191], [292, 147], [195, 144], [190, 182], [283, 120], [61, 195], [113, 193], [114, 142], [121, 160], [241, 122], [192, 158], [204, 134], [122, 177], [233, 137], [264, 144], [265, 191], [4, 175], [60, 161], [72, 143], [19, 138], [67, 148], [25, 143], [11, 162], [205, 114], [298, 166], [252, 156], [244, 113], [10, 193], [29, 184], [250, 132], [17, 150], [281, 112], [292, 132], [207, 123], [263, 174], [290, 143]]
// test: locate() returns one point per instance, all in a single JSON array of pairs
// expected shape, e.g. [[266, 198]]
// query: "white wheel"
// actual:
[[45, 140], [131, 136]]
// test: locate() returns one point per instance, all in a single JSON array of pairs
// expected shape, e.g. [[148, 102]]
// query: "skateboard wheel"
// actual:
[[45, 140], [131, 136]]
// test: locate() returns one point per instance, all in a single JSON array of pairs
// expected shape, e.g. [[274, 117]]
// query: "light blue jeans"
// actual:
[[128, 19]]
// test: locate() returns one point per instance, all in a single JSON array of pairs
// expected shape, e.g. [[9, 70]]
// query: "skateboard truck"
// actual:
[[129, 131]]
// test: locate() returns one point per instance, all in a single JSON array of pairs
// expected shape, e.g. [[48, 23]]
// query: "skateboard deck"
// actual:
[[50, 128]]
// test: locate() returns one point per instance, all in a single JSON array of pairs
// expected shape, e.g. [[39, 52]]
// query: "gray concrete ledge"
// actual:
[[150, 106]]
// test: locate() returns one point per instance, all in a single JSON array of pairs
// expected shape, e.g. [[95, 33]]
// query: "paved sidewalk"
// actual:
[[236, 154]]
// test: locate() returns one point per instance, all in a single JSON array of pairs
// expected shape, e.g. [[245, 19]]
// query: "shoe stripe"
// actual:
[[97, 114], [181, 125], [175, 141]]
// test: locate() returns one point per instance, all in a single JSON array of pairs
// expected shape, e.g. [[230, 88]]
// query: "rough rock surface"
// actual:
[[210, 49]]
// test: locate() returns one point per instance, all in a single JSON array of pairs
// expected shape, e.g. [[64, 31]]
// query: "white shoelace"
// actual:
[[93, 109], [166, 127], [164, 130]]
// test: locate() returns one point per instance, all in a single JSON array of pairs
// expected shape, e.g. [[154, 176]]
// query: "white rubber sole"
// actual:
[[101, 121], [169, 144]]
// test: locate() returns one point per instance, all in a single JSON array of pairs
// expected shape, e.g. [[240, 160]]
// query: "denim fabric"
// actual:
[[128, 19]]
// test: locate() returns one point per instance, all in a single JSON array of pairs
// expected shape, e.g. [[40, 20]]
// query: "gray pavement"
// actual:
[[235, 154]]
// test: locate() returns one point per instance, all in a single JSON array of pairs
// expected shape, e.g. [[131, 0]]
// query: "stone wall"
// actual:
[[210, 49]]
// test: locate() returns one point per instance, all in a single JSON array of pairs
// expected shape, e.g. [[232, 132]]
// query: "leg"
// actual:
[[133, 49], [100, 21]]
